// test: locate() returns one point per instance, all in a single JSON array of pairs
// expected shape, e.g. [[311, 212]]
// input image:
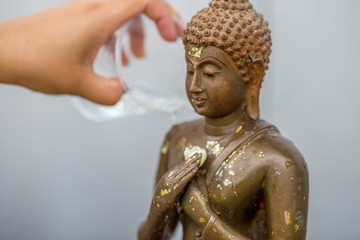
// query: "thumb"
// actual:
[[98, 89]]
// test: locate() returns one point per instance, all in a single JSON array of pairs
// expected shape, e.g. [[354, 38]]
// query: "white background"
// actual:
[[63, 177]]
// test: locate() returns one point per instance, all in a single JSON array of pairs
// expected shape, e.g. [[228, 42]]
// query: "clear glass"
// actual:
[[155, 83]]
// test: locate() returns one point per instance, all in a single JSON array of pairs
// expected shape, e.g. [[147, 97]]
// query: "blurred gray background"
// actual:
[[63, 177]]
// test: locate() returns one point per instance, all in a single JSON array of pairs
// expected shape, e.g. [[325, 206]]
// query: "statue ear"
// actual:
[[256, 75]]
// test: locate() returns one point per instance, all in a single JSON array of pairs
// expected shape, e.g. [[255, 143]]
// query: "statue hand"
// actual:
[[173, 182]]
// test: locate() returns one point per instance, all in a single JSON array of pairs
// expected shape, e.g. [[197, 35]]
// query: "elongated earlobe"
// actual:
[[256, 73]]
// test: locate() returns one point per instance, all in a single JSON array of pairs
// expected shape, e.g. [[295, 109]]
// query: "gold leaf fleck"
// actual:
[[287, 217]]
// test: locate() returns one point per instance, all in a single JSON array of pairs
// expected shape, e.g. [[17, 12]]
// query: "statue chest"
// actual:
[[235, 191]]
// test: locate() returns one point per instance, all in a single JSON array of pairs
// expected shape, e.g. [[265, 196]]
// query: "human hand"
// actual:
[[136, 36], [53, 51], [173, 182]]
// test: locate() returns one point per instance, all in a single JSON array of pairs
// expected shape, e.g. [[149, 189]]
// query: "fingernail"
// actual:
[[139, 53], [175, 13]]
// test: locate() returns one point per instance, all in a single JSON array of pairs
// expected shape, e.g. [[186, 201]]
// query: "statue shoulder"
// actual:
[[278, 152], [180, 136], [183, 129]]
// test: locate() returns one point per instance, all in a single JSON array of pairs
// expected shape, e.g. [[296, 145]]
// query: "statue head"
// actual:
[[236, 29]]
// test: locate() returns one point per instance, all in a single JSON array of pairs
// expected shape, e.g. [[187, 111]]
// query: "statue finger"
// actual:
[[183, 166], [184, 179], [186, 172]]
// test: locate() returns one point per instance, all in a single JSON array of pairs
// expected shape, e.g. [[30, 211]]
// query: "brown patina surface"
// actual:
[[254, 182]]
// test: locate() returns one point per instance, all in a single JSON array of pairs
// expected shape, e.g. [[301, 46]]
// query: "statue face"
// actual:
[[213, 84]]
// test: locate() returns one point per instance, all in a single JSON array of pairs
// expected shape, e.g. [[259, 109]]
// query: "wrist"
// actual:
[[160, 209], [12, 48], [205, 218], [209, 227], [5, 41]]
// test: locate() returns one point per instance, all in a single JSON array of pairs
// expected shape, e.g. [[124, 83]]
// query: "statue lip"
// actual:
[[199, 101], [198, 96]]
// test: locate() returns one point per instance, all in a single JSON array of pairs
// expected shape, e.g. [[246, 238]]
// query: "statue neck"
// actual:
[[224, 125]]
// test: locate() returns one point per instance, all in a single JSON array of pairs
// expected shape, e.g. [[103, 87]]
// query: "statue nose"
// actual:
[[196, 85]]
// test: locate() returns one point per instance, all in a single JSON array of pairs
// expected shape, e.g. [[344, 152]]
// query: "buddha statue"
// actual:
[[228, 175]]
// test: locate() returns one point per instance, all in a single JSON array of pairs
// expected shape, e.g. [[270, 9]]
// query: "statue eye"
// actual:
[[211, 71], [210, 75]]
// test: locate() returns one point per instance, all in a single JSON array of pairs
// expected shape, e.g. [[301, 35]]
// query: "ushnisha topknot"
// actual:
[[235, 27]]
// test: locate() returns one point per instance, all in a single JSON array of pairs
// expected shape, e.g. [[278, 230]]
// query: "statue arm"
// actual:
[[154, 223], [162, 218], [213, 227], [217, 229], [286, 197], [286, 200]]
